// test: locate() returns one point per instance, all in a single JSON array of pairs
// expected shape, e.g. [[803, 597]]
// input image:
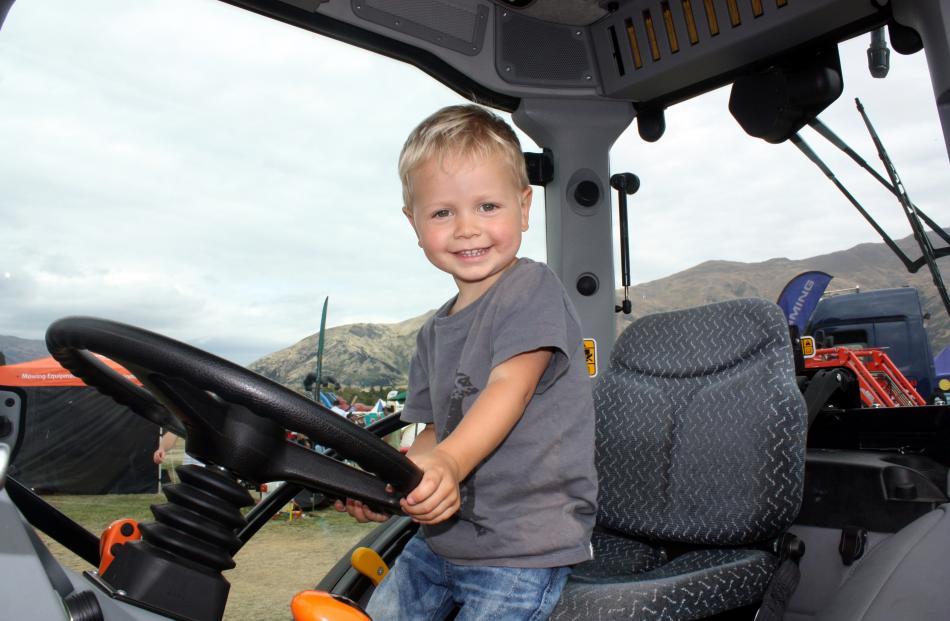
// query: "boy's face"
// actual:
[[468, 214]]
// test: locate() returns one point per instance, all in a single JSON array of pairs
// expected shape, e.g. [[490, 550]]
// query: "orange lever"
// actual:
[[116, 534], [322, 606], [370, 564]]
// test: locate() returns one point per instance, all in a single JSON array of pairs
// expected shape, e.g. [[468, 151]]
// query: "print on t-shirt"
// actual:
[[463, 388]]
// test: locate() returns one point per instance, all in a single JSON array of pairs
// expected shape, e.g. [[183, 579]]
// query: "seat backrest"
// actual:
[[701, 426]]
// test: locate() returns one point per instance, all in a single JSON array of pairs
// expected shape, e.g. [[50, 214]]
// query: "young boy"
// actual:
[[508, 497]]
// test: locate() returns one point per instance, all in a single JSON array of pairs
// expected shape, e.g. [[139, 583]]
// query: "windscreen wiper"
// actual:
[[929, 254]]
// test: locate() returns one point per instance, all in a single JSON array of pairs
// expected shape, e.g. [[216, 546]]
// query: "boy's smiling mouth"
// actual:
[[472, 253]]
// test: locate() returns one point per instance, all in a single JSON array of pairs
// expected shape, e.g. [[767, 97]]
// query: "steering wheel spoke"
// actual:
[[334, 478]]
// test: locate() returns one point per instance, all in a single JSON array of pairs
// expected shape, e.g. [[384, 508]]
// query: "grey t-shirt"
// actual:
[[532, 502]]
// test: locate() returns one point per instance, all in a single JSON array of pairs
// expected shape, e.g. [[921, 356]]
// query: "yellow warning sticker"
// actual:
[[808, 346], [590, 353]]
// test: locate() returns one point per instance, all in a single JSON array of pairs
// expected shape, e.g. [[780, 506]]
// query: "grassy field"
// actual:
[[285, 557]]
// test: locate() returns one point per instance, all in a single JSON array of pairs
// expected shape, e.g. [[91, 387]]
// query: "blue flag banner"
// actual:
[[800, 297], [942, 363]]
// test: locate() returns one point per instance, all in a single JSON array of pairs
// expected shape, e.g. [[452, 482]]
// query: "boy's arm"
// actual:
[[484, 427], [424, 442]]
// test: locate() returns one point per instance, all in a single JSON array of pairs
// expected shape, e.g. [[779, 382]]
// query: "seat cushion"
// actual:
[[701, 427], [616, 555], [692, 586]]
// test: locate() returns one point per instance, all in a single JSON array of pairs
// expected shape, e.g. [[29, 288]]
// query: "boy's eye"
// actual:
[[488, 207], [442, 213]]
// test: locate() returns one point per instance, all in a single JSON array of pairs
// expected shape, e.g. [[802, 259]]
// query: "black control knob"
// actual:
[[587, 193], [587, 285]]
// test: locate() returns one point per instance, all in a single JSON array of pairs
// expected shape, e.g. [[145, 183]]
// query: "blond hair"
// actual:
[[466, 131]]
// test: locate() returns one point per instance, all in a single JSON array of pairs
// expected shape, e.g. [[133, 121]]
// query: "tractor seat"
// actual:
[[701, 454]]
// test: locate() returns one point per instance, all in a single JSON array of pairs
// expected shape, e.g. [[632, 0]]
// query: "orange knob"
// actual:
[[322, 606]]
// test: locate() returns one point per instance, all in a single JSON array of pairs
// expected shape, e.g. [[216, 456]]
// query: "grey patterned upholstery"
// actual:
[[700, 441]]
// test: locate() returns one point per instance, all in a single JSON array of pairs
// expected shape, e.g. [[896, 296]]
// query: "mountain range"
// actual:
[[15, 349], [359, 354], [368, 355], [378, 354]]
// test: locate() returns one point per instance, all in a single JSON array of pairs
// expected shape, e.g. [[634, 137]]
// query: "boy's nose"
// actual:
[[466, 226]]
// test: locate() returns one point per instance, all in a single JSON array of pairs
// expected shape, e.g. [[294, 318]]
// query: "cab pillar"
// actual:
[[577, 202]]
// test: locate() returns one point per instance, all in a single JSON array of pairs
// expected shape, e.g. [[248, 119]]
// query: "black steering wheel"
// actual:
[[232, 417]]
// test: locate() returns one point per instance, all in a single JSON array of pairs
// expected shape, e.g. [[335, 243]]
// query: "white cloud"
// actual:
[[201, 171]]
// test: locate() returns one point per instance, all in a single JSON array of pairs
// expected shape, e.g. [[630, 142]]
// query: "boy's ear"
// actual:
[[526, 196], [412, 222]]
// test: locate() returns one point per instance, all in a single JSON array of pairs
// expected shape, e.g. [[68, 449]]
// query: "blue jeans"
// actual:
[[422, 586]]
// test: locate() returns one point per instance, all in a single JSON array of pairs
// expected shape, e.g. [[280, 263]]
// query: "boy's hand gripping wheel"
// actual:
[[624, 183]]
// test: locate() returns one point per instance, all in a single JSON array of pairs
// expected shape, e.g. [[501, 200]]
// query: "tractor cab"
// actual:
[[712, 504]]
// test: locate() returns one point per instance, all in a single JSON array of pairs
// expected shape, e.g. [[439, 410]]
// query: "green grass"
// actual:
[[97, 512]]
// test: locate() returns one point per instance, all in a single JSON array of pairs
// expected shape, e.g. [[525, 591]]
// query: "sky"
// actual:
[[201, 171]]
